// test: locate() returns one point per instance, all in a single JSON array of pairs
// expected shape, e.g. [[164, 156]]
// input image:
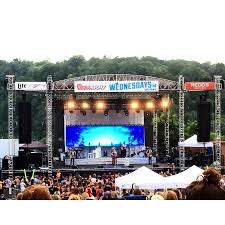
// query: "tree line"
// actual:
[[78, 65]]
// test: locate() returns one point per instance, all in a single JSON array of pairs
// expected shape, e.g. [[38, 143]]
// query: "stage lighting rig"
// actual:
[[135, 105], [71, 105], [100, 105], [85, 105], [150, 105], [165, 103]]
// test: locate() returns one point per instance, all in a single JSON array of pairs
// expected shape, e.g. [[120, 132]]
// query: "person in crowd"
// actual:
[[19, 196], [125, 193], [157, 197], [84, 196], [1, 186], [178, 193], [74, 197], [56, 197], [36, 192], [208, 186], [170, 195]]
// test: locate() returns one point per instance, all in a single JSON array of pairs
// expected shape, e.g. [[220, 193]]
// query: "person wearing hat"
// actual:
[[114, 156]]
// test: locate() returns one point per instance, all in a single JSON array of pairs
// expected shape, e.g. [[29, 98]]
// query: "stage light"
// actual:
[[150, 105], [100, 105], [71, 105], [106, 113], [165, 103], [134, 105], [126, 112], [85, 105]]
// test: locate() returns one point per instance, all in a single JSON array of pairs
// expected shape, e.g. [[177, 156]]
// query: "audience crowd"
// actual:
[[208, 186]]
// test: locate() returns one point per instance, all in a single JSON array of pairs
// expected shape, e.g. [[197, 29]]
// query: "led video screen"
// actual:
[[104, 135]]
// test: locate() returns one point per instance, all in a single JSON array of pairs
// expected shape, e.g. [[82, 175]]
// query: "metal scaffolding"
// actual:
[[181, 123], [167, 132], [10, 89], [49, 122], [155, 131], [218, 89], [64, 88]]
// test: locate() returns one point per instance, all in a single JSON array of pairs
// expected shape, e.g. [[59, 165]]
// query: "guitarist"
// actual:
[[149, 155]]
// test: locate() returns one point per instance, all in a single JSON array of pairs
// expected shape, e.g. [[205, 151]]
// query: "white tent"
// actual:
[[143, 177], [183, 179], [192, 142]]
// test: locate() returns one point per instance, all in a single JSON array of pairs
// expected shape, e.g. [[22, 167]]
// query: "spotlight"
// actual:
[[134, 105], [150, 105], [165, 103], [100, 105], [85, 105], [71, 105]]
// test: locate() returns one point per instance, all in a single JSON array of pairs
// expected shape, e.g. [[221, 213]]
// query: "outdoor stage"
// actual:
[[107, 161]]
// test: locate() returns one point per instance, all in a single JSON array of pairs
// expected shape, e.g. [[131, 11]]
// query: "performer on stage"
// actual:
[[72, 157], [123, 152], [149, 155], [114, 156]]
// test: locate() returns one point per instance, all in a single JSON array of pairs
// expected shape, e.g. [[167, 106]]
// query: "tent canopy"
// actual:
[[143, 177], [192, 142], [183, 179]]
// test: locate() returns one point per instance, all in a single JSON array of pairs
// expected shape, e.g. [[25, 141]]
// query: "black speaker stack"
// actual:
[[24, 122], [204, 120], [148, 130]]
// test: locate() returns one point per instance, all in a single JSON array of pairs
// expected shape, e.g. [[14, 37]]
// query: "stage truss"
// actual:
[[64, 89]]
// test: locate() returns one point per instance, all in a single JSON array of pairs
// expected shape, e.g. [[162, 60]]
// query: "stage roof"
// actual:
[[66, 87]]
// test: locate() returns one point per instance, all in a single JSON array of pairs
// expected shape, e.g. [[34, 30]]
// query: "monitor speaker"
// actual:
[[24, 122], [204, 121]]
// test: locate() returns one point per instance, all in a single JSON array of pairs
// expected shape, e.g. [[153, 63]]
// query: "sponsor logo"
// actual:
[[97, 87], [146, 86], [118, 86], [30, 86], [199, 86]]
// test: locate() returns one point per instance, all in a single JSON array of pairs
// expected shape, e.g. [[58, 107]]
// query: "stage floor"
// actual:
[[107, 161]]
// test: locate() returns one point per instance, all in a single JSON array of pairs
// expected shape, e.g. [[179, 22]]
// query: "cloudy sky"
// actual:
[[58, 29]]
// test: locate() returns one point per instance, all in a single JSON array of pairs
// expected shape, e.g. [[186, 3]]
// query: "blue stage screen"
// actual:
[[104, 135]]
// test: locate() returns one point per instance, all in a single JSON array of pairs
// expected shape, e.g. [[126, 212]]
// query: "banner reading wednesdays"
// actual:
[[116, 86]]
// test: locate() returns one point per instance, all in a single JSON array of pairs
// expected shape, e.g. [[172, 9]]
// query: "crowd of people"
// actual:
[[210, 185]]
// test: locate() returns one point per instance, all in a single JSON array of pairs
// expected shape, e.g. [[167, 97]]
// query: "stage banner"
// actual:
[[30, 86], [116, 86], [199, 86]]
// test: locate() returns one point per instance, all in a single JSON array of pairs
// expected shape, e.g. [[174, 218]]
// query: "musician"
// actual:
[[149, 155], [72, 157], [123, 152], [114, 156]]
